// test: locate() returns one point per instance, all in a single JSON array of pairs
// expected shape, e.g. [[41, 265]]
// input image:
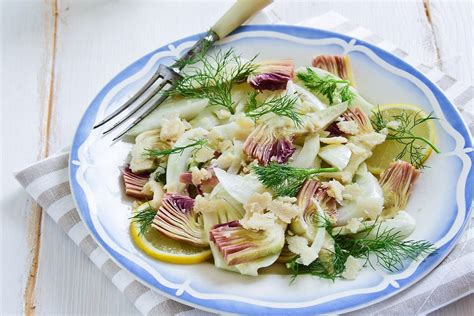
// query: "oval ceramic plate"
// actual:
[[441, 199]]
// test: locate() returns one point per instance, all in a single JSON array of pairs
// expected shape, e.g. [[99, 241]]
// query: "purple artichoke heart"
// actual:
[[263, 145], [272, 75], [177, 220], [238, 245]]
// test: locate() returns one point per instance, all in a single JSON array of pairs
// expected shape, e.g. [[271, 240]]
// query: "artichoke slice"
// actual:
[[177, 219], [140, 162], [266, 144], [337, 65], [134, 183], [306, 225], [397, 183], [239, 245], [272, 75]]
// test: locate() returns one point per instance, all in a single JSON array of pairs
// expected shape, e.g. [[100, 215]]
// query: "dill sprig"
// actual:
[[387, 246], [285, 180], [214, 77], [281, 106], [144, 218], [404, 134], [330, 87], [157, 153]]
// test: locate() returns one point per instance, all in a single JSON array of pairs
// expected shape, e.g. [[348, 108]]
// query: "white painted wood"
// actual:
[[453, 27], [95, 40], [25, 46], [399, 21]]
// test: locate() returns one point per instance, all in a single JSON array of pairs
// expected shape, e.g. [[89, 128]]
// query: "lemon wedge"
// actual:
[[387, 152], [163, 248]]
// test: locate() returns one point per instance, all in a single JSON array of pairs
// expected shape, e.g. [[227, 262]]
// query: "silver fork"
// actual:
[[169, 75]]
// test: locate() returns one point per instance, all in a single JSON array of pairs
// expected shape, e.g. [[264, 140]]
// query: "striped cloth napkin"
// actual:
[[48, 183]]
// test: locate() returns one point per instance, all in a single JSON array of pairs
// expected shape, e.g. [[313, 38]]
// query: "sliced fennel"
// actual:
[[368, 204], [183, 108], [179, 163], [336, 155], [241, 188], [307, 156]]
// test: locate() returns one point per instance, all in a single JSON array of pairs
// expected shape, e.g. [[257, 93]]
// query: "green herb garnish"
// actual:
[[213, 78], [386, 246], [285, 180], [328, 86], [404, 134], [281, 106], [157, 153], [143, 219]]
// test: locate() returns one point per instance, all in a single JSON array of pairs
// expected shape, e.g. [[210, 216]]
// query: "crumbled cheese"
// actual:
[[246, 126], [348, 127], [222, 114], [199, 175], [372, 139], [299, 246], [393, 124], [225, 160], [156, 190], [354, 224], [172, 129], [352, 268], [371, 206], [258, 202], [333, 140], [259, 221], [204, 205], [284, 208], [351, 191], [204, 154], [335, 189]]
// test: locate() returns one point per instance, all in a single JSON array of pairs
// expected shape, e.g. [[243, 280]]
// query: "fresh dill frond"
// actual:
[[387, 246], [144, 218], [403, 132], [213, 77], [285, 180], [329, 87], [279, 105], [157, 153]]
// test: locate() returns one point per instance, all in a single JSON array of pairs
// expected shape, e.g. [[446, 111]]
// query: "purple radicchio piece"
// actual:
[[239, 245], [264, 145], [177, 219], [272, 75]]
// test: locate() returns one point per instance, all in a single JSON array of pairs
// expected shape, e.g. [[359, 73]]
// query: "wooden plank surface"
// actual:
[[25, 76], [94, 41]]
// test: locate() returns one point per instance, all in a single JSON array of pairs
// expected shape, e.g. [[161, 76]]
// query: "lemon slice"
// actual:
[[163, 248], [386, 152]]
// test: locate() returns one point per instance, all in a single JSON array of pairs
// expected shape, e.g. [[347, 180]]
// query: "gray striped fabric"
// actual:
[[47, 182]]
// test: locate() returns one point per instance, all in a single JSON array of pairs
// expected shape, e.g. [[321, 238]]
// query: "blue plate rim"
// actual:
[[422, 270]]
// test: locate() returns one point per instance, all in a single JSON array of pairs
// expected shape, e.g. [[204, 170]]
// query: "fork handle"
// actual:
[[240, 12]]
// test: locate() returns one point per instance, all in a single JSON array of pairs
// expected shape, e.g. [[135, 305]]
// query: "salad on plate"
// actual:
[[254, 163]]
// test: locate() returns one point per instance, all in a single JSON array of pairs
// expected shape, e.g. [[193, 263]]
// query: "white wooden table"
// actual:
[[57, 54]]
